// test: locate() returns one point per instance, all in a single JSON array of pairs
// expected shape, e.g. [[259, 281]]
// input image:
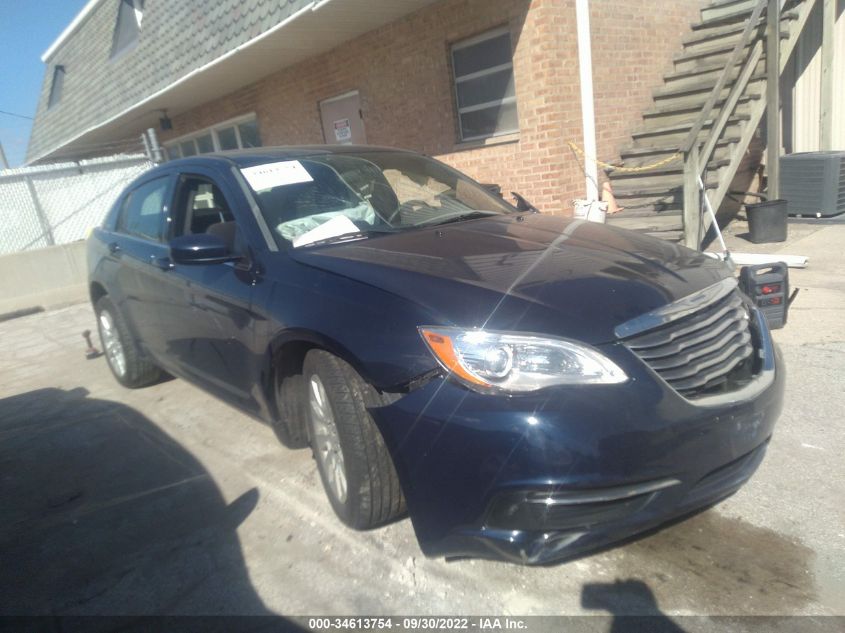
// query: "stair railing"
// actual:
[[697, 154]]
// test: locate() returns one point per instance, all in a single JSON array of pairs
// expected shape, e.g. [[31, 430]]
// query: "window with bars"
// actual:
[[240, 134], [484, 85]]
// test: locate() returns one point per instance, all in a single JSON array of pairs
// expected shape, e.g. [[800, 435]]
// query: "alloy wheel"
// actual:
[[112, 344], [326, 439]]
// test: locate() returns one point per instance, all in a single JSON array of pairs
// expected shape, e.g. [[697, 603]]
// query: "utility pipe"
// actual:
[[588, 116]]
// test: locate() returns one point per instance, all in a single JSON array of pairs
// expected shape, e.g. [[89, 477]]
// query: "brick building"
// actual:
[[489, 86]]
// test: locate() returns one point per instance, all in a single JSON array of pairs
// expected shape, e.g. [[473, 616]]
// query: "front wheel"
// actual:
[[355, 466], [126, 361]]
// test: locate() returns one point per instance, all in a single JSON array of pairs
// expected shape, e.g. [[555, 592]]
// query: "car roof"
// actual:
[[259, 155]]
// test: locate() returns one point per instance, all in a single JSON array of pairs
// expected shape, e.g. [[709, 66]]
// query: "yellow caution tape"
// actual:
[[629, 170]]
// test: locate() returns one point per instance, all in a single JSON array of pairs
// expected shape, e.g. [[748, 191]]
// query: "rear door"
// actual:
[[138, 244]]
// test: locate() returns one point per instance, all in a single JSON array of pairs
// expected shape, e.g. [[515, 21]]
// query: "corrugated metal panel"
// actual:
[[802, 109]]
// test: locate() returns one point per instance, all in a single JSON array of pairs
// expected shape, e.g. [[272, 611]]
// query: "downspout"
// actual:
[[588, 116]]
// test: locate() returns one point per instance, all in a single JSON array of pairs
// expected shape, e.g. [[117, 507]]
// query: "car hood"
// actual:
[[524, 272]]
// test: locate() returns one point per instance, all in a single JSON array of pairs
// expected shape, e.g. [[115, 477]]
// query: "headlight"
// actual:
[[487, 360]]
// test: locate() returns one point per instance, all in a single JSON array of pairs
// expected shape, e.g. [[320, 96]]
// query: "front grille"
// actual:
[[708, 350]]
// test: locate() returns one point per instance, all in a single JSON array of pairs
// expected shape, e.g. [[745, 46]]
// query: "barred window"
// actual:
[[484, 85]]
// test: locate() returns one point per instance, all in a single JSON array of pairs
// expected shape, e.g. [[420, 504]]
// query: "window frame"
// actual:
[[56, 87], [212, 130], [458, 79]]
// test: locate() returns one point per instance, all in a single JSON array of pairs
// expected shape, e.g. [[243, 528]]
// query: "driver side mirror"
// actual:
[[522, 204], [200, 248]]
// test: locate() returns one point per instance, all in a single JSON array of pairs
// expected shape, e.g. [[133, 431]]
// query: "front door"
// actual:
[[342, 122], [209, 322]]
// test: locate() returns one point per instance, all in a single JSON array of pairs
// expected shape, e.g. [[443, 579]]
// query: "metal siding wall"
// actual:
[[805, 102]]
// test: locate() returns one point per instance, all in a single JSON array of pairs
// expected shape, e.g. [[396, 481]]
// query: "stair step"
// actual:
[[695, 100], [658, 152], [720, 51], [721, 157], [644, 211], [704, 87], [645, 186], [737, 13], [696, 71], [684, 126], [727, 10], [629, 213], [666, 139], [676, 167], [662, 226], [731, 39], [717, 31], [682, 112], [669, 202], [694, 75], [703, 69]]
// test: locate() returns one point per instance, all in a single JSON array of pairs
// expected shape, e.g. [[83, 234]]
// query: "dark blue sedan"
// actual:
[[530, 387]]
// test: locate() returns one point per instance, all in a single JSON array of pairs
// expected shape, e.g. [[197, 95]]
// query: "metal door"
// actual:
[[342, 122]]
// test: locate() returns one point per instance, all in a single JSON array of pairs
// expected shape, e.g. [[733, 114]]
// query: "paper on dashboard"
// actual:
[[338, 225]]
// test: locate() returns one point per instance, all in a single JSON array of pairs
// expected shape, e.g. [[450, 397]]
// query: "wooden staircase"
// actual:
[[706, 115]]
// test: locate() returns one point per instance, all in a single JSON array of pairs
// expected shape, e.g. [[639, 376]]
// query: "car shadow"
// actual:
[[105, 514]]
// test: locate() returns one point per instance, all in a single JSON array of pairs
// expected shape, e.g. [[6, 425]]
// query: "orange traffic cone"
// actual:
[[607, 196]]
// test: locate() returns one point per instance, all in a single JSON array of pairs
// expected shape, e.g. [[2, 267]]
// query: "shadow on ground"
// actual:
[[103, 513], [632, 604]]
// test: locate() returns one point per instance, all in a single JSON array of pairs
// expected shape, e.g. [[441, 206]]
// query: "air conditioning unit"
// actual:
[[813, 183]]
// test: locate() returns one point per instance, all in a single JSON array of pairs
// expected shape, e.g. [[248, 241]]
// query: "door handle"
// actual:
[[114, 248], [162, 263]]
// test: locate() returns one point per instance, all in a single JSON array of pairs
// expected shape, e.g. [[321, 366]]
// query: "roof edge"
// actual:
[[313, 6], [70, 29]]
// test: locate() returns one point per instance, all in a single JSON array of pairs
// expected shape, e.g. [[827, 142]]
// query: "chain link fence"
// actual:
[[58, 203]]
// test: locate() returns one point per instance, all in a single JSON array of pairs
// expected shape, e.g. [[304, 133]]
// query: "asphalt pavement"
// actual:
[[166, 500]]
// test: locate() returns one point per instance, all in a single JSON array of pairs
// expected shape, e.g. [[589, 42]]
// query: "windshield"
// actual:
[[339, 196]]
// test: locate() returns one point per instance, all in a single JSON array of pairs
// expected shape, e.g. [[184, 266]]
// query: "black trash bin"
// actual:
[[767, 221]]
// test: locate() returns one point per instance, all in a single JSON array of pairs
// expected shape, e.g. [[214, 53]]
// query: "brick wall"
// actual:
[[633, 45], [402, 72]]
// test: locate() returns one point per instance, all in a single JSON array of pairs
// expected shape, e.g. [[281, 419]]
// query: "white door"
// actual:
[[342, 123]]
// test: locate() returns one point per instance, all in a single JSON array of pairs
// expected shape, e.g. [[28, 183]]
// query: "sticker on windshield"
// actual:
[[269, 175]]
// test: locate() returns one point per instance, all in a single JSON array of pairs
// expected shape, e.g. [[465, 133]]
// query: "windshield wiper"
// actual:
[[348, 237], [458, 217]]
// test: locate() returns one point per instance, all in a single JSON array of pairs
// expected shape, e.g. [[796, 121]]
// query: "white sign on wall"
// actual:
[[342, 131]]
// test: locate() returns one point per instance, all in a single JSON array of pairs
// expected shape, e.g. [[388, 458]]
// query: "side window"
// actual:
[[202, 208], [143, 213]]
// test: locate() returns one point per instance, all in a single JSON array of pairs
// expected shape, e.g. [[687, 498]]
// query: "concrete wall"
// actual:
[[46, 277], [403, 74]]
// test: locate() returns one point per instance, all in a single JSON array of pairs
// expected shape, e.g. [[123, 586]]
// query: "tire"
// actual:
[[371, 495], [291, 412], [126, 361]]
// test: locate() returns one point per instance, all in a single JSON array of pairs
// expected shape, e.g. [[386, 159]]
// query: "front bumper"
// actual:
[[545, 477]]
